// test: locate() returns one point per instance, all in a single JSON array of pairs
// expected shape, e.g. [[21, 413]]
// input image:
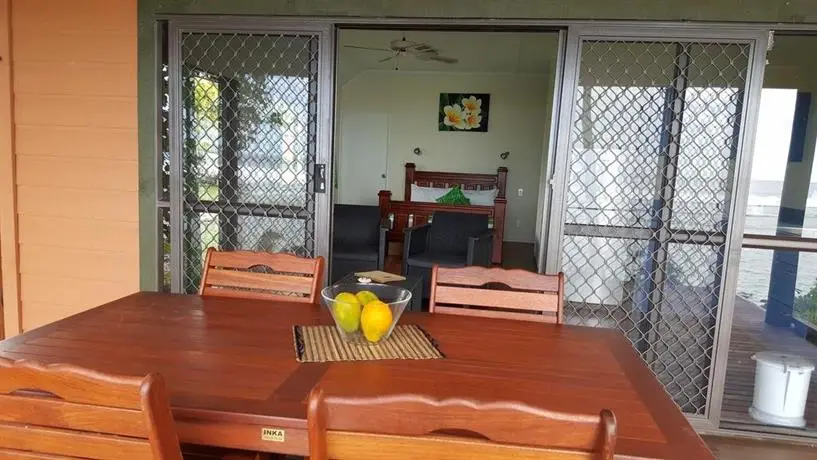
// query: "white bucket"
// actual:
[[781, 389]]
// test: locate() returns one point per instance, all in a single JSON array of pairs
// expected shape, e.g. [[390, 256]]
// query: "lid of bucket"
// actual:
[[784, 361]]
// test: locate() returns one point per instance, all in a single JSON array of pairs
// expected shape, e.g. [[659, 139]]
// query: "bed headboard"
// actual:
[[467, 181]]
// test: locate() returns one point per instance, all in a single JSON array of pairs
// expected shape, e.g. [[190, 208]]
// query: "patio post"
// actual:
[[791, 215]]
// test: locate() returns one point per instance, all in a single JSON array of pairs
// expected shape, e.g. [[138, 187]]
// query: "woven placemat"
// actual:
[[320, 344]]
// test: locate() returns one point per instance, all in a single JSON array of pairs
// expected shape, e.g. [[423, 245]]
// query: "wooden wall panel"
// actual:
[[41, 313], [77, 263], [84, 48], [75, 154], [73, 203], [86, 173], [68, 78], [83, 16], [9, 257], [50, 231], [83, 142], [69, 110], [67, 292], [85, 233]]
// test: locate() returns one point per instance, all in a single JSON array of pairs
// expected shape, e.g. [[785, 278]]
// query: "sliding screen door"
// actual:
[[649, 147], [249, 124]]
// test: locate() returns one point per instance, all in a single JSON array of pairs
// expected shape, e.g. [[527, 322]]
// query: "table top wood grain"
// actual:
[[231, 369]]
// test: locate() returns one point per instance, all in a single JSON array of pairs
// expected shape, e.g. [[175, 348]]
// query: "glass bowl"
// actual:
[[349, 327]]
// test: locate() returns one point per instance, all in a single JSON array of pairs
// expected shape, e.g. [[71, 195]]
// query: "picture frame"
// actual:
[[464, 112]]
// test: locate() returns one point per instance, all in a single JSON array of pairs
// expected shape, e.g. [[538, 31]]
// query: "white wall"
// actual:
[[518, 118]]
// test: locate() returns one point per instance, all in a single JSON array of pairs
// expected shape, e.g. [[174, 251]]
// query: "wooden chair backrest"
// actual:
[[59, 411], [497, 293], [416, 426], [281, 276]]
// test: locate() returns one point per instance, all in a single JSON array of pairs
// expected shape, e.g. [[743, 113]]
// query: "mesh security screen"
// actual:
[[652, 159], [248, 138]]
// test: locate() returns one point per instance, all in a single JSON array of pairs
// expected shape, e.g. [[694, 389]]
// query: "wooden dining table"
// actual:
[[234, 380]]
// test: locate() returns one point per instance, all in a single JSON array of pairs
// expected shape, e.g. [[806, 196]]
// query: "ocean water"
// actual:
[[756, 264]]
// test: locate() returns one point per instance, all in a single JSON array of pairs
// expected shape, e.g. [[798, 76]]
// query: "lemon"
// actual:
[[346, 297], [375, 320], [347, 311], [364, 297]]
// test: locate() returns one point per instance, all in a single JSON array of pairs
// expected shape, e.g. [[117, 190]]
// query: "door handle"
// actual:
[[320, 178]]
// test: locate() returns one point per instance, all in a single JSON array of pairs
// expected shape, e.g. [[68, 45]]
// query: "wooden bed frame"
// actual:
[[422, 211]]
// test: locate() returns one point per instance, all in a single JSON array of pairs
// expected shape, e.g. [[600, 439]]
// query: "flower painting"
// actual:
[[464, 112]]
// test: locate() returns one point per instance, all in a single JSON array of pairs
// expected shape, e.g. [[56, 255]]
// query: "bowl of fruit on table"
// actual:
[[365, 311]]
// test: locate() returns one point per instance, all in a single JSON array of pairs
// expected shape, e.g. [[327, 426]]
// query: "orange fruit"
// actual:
[[375, 320]]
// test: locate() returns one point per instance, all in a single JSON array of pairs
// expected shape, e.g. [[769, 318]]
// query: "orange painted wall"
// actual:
[[75, 150]]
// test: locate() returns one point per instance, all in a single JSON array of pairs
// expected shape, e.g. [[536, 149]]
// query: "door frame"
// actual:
[[757, 39], [545, 203], [324, 32]]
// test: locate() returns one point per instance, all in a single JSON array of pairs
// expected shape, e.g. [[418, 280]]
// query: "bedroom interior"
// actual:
[[443, 121]]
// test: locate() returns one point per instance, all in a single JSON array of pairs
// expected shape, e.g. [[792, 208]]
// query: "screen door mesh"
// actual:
[[248, 144], [653, 150]]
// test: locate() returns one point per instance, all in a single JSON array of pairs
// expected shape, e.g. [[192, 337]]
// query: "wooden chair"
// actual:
[[415, 426], [59, 411], [497, 293], [261, 275]]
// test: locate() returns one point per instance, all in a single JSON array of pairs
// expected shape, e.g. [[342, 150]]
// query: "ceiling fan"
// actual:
[[403, 47]]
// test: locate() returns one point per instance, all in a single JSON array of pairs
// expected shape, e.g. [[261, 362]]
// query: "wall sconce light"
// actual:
[[417, 151], [504, 155]]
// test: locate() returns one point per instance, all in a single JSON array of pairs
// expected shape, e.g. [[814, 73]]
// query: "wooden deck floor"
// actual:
[[750, 334], [749, 449]]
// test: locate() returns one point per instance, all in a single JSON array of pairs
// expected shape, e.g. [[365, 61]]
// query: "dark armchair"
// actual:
[[452, 239], [358, 240]]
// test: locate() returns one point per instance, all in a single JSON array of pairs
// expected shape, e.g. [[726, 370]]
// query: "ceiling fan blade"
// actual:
[[368, 48], [445, 59], [421, 49], [387, 58]]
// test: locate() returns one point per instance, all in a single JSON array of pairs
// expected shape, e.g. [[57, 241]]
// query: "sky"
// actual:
[[774, 134]]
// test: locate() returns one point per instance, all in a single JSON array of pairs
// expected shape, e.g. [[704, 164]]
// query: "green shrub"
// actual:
[[805, 305]]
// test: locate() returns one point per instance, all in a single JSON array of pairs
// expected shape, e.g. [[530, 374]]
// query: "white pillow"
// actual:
[[481, 197], [427, 194]]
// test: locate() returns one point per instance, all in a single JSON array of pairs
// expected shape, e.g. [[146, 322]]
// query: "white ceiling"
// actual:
[[490, 52]]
